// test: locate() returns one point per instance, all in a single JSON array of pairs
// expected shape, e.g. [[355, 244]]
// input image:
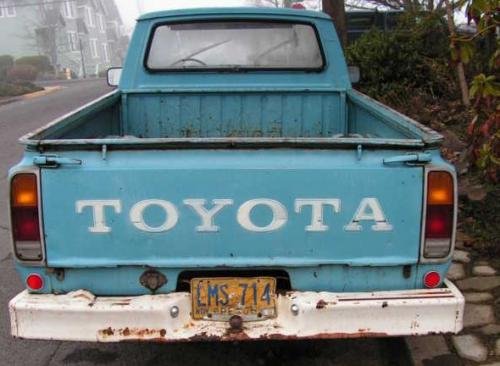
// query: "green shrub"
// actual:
[[6, 62], [40, 63], [22, 73], [412, 59]]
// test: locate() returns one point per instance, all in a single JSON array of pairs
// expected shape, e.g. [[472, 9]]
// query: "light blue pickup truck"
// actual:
[[234, 186]]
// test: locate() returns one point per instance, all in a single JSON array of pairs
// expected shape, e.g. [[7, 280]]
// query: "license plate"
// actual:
[[220, 298]]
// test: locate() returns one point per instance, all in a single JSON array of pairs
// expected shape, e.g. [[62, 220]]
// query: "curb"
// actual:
[[40, 93], [8, 100]]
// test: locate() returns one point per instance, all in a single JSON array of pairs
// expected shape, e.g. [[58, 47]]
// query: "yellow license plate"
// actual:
[[220, 298]]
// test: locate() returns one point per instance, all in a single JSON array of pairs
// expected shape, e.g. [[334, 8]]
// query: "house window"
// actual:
[[7, 9], [89, 17], [48, 4], [93, 48], [106, 52], [72, 41], [100, 20], [69, 9]]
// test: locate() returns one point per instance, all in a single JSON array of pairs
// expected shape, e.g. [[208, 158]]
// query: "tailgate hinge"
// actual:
[[409, 158], [54, 161]]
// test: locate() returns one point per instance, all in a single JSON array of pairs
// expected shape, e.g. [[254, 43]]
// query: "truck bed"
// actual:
[[250, 119]]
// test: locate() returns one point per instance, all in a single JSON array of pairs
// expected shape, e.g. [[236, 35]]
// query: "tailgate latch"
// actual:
[[54, 161], [409, 158]]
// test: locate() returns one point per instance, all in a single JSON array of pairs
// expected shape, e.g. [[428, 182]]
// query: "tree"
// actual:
[[46, 35], [336, 10], [455, 49], [408, 5]]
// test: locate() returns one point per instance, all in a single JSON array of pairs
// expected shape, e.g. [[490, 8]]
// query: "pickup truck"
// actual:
[[234, 186]]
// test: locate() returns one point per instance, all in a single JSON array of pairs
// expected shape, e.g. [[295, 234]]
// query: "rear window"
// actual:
[[234, 45]]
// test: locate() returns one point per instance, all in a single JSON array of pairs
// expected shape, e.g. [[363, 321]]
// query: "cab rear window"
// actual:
[[234, 45]]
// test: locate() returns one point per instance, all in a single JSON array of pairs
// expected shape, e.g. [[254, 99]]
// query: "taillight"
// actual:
[[25, 217], [439, 216], [34, 282], [432, 279]]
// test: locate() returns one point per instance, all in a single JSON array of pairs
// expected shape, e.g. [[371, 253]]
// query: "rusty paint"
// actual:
[[134, 333], [202, 337], [278, 336], [121, 303], [321, 304], [154, 335], [107, 332]]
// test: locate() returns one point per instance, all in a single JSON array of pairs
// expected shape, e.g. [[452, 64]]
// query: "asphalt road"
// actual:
[[23, 116]]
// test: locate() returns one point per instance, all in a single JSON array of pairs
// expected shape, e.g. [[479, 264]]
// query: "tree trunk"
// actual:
[[462, 82], [336, 10]]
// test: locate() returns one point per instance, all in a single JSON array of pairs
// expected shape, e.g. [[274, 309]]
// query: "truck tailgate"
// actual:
[[272, 233]]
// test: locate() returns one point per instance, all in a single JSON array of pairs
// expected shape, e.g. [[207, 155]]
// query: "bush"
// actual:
[[22, 73], [412, 59], [6, 62], [40, 63]]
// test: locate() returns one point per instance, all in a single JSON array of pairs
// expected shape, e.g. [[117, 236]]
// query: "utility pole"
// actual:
[[84, 73]]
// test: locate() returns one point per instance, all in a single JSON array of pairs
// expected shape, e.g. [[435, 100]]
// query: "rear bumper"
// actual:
[[80, 316]]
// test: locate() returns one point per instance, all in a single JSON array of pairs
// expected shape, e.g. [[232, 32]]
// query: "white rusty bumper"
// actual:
[[80, 316]]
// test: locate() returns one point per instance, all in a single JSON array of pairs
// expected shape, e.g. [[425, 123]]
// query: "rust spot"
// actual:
[[135, 333], [324, 336], [321, 304], [239, 335], [123, 303], [203, 337], [158, 335], [107, 332], [242, 336]]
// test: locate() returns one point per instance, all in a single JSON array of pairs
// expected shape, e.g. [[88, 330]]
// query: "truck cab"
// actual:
[[234, 186]]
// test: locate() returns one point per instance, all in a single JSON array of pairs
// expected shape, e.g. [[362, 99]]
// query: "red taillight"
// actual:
[[432, 279], [26, 224], [34, 282], [25, 217], [439, 222], [439, 214]]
